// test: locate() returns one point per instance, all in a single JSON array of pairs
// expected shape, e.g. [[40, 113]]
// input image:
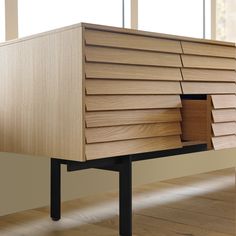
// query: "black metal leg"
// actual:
[[55, 208], [125, 176]]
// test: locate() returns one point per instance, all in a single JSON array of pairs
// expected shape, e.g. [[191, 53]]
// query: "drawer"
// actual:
[[223, 142], [119, 40], [135, 57], [125, 132], [208, 62], [224, 101], [208, 88], [99, 86], [220, 129], [208, 75], [125, 102], [129, 117], [224, 115], [208, 49], [117, 71], [110, 149]]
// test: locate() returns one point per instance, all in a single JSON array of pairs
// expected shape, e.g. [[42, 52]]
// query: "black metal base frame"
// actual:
[[122, 165]]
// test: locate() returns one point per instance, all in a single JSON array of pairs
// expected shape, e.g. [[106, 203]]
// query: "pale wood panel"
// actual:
[[41, 96], [107, 134], [124, 102], [125, 56], [208, 87], [208, 49], [116, 71], [112, 118], [104, 38], [223, 101], [152, 34], [102, 150], [194, 116], [224, 142], [220, 129], [208, 62], [208, 75], [131, 87], [224, 115]]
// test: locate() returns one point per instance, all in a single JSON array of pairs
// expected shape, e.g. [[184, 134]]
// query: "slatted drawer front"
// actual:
[[126, 102], [224, 115], [224, 118], [208, 62], [119, 40], [129, 117], [133, 57], [116, 71], [110, 149], [107, 134], [208, 88], [208, 49], [208, 75], [131, 87]]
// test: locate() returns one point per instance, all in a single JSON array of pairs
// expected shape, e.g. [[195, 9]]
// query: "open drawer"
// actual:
[[210, 119]]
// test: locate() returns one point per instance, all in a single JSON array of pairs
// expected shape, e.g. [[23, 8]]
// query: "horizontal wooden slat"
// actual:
[[116, 71], [104, 38], [124, 102], [224, 115], [208, 49], [110, 149], [220, 129], [224, 142], [108, 134], [208, 62], [223, 101], [208, 87], [112, 118], [126, 56], [131, 87], [208, 75]]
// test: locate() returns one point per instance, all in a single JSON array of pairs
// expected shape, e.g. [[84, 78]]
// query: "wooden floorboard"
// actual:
[[199, 205]]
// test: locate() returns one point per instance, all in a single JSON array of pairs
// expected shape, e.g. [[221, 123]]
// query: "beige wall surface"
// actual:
[[24, 180]]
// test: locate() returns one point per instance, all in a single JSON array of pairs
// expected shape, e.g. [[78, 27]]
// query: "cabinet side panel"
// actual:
[[41, 94]]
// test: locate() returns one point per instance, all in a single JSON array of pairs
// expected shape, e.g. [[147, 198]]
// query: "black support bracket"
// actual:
[[122, 165]]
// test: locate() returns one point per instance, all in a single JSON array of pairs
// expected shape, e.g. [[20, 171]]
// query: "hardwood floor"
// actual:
[[200, 205]]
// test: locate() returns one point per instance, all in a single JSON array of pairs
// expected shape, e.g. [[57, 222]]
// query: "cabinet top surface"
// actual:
[[119, 30]]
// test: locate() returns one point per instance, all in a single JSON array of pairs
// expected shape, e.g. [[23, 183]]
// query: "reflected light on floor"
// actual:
[[109, 209]]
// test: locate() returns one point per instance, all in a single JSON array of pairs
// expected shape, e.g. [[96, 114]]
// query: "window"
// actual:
[[180, 17], [2, 20], [41, 15]]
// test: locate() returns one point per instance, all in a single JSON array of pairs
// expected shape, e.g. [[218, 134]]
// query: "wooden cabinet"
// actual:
[[88, 92]]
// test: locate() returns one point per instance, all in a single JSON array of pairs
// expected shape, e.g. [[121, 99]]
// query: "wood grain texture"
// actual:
[[41, 96], [153, 34], [208, 49], [100, 150], [135, 57], [208, 88], [124, 102], [113, 118], [116, 71], [99, 86], [220, 129], [108, 134], [223, 142], [224, 101], [224, 115], [194, 120], [208, 62], [208, 75], [110, 39]]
